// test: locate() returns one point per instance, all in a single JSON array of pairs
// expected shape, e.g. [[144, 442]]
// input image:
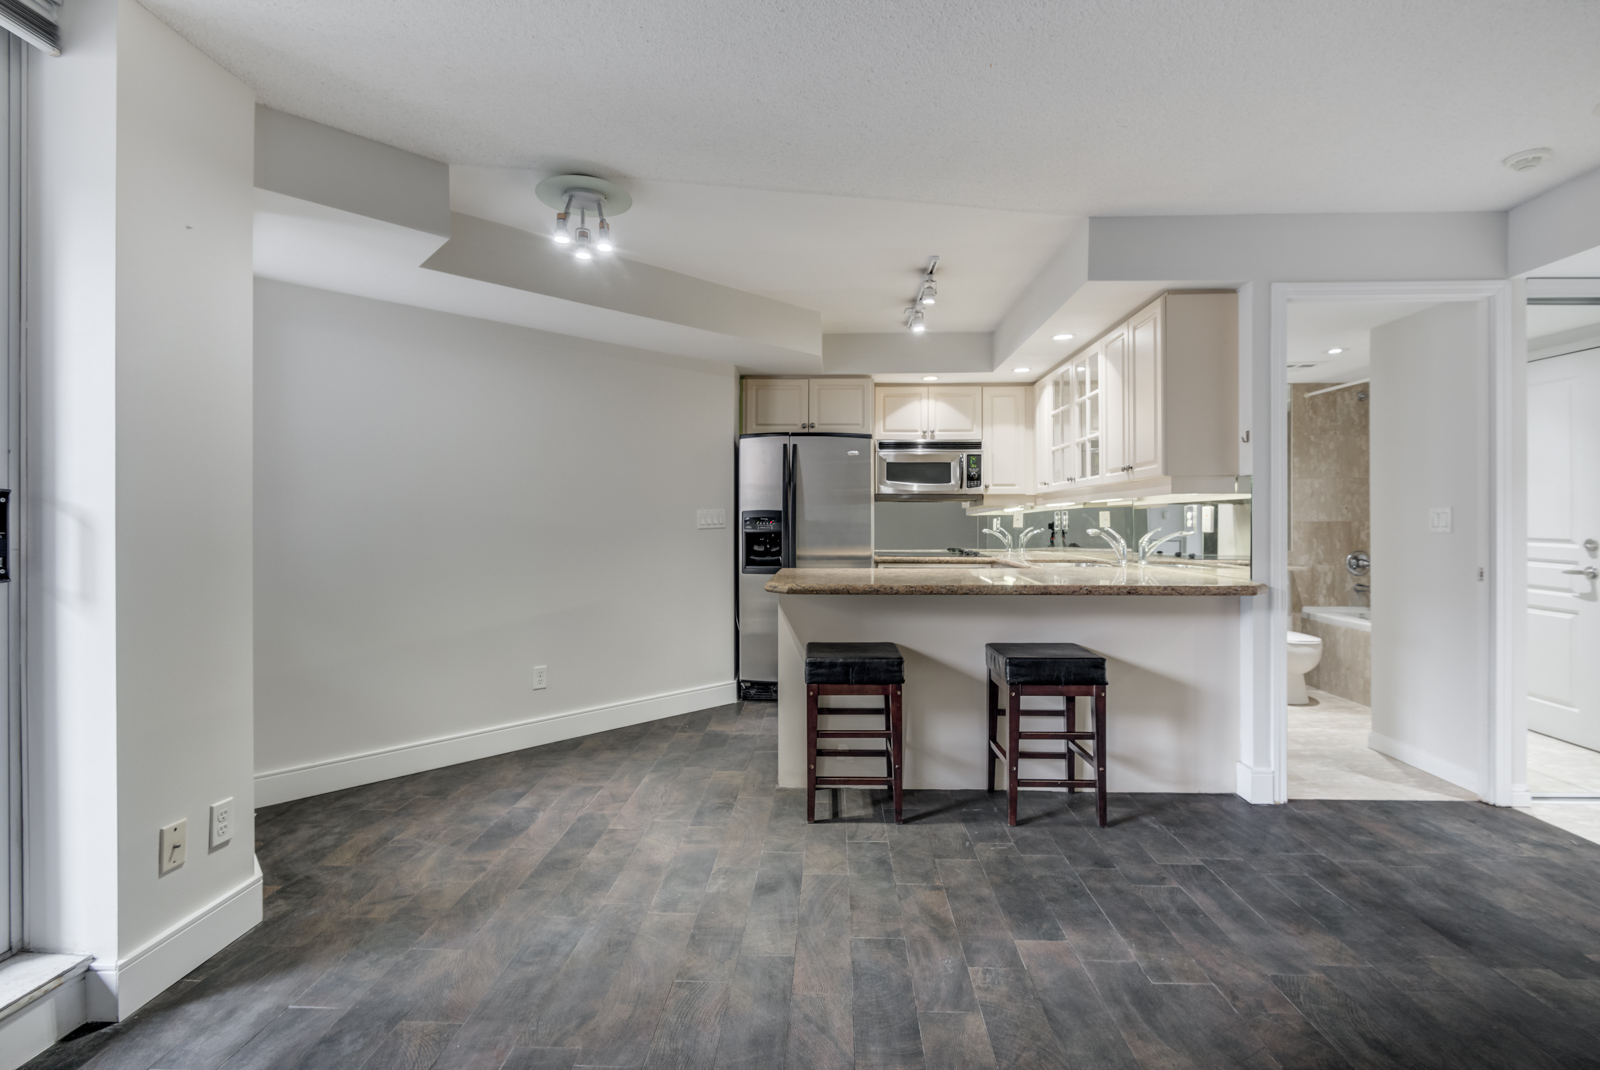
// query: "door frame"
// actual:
[[1502, 465]]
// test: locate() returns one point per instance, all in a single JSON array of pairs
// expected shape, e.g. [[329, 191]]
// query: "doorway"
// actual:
[[1376, 389]]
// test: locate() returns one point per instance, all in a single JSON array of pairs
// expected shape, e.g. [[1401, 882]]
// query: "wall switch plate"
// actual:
[[538, 677], [1440, 519], [221, 822], [1105, 518], [710, 518], [174, 845], [1018, 518]]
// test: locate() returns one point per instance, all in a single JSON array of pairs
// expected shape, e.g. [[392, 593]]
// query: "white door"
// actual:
[[1005, 439], [900, 411], [955, 411], [843, 406], [776, 405], [1564, 543], [1142, 389]]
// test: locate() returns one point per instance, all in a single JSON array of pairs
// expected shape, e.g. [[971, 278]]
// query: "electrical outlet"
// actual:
[[174, 844], [710, 518], [221, 823], [538, 677], [1440, 519]]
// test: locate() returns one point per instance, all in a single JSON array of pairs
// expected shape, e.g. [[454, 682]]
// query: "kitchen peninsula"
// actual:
[[1169, 631]]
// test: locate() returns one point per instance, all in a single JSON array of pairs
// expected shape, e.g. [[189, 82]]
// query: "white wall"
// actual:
[[444, 503], [1429, 445], [139, 575]]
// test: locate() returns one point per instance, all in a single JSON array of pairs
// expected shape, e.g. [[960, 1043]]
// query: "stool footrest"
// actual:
[[851, 752], [853, 781], [851, 733], [1055, 735], [1054, 783]]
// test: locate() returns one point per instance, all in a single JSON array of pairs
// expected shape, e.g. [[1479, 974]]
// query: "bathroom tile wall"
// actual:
[[1346, 666], [1329, 506]]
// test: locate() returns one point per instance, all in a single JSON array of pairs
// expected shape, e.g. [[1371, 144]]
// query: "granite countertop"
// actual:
[[1036, 577]]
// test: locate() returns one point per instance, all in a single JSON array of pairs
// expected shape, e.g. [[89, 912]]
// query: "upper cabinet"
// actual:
[[929, 412], [1154, 398], [842, 405], [1006, 440]]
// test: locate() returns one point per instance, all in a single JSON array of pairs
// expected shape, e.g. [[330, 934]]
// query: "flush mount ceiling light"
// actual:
[[586, 194], [930, 378], [1060, 337], [1021, 371], [1527, 159], [1335, 351], [927, 295]]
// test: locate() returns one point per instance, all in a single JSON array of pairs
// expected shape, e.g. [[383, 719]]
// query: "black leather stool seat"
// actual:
[[1047, 664], [855, 663]]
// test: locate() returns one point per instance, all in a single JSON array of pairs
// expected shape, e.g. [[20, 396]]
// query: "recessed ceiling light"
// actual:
[[930, 378], [1335, 351], [1060, 337], [1527, 159], [1019, 371]]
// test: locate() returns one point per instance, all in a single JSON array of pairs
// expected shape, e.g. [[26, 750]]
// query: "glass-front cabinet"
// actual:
[[1085, 418]]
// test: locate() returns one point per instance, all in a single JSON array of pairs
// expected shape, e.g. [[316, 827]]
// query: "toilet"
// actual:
[[1304, 653]]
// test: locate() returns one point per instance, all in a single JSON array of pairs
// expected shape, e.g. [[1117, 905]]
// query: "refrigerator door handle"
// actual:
[[787, 528]]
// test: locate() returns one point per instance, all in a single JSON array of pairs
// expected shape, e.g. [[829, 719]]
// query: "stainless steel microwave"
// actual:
[[920, 471]]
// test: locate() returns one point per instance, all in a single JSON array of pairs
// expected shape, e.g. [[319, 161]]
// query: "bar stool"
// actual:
[[854, 669], [1065, 669]]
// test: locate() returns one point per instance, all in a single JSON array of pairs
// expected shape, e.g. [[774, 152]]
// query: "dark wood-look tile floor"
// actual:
[[646, 898]]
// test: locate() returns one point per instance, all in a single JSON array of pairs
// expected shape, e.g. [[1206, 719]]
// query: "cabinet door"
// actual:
[[843, 406], [955, 411], [1142, 407], [776, 405], [900, 411], [1005, 439], [1113, 415]]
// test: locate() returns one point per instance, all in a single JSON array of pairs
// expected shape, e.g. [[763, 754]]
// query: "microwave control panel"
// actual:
[[974, 470], [760, 540]]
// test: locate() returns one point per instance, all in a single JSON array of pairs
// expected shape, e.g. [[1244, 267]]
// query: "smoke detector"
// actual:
[[1527, 159]]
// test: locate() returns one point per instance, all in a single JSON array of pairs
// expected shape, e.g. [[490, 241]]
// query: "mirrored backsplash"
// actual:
[[1215, 530]]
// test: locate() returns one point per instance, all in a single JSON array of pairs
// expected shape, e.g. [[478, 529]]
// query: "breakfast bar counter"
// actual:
[[1169, 631]]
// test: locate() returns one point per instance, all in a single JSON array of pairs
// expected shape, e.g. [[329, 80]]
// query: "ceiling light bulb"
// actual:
[[1060, 337], [1020, 371], [561, 236], [1335, 351], [930, 378], [918, 327], [603, 242], [929, 293], [584, 246], [582, 253]]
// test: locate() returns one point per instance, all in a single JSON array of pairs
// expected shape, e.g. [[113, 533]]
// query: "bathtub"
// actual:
[[1357, 617]]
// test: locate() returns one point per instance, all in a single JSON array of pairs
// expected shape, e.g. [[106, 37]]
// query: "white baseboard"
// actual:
[[1459, 775], [44, 1021], [114, 992], [335, 774], [1254, 785]]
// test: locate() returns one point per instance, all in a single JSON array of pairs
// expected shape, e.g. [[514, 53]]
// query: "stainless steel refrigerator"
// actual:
[[805, 501]]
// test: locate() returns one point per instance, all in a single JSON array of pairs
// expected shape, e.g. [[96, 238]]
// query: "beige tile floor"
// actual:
[[1329, 758]]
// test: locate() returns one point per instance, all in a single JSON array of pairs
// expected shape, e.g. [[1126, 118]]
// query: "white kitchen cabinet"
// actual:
[[840, 405], [1006, 439], [924, 412], [901, 412], [843, 406], [1155, 398]]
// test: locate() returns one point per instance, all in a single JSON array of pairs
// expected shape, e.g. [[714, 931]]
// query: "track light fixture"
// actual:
[[586, 194], [927, 295]]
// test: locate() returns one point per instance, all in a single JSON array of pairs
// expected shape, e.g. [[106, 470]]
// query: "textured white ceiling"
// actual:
[[1038, 105], [1318, 326]]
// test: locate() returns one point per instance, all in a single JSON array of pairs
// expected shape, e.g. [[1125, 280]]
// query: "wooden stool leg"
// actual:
[[897, 758], [1069, 715], [1013, 742], [992, 715], [1100, 755], [811, 753]]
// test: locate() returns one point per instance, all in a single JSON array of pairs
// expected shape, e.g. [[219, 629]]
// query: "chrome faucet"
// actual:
[[1022, 540], [1146, 547], [998, 532], [1116, 542]]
